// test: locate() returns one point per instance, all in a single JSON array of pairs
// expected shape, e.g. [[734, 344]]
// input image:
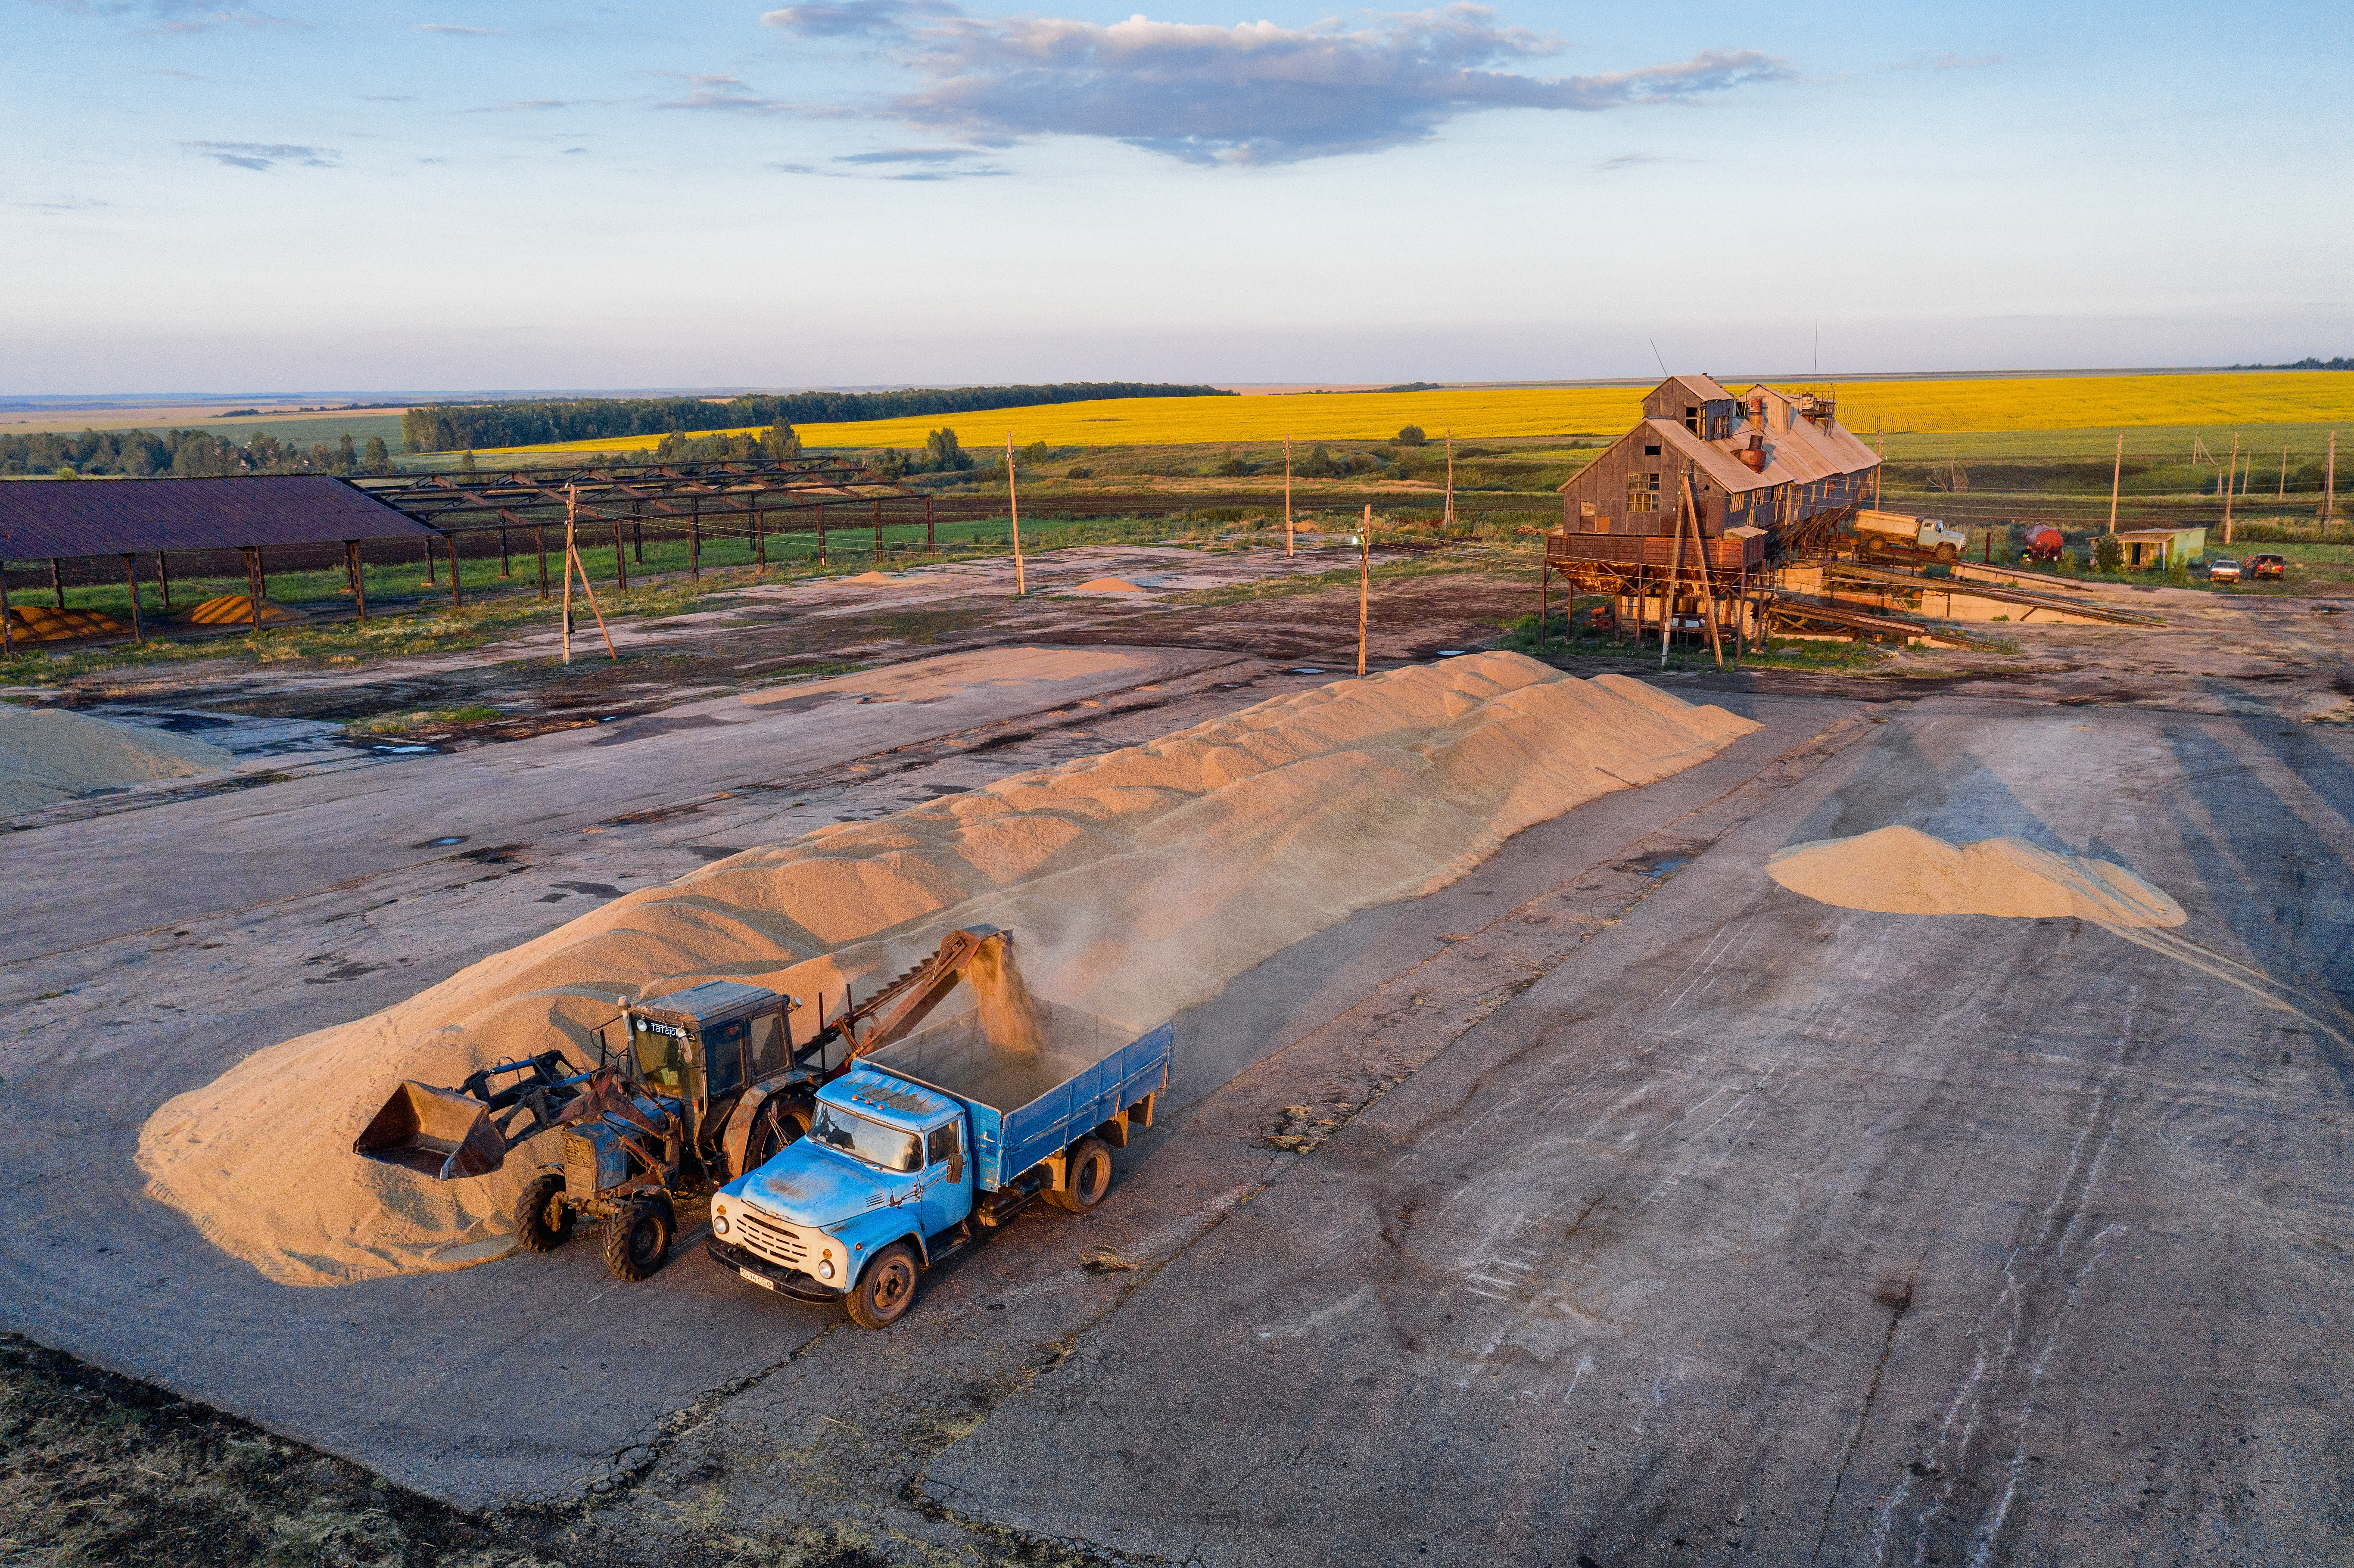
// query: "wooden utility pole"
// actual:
[[2329, 482], [2283, 479], [1013, 507], [1287, 496], [1365, 583], [2116, 477], [1879, 470], [2229, 475]]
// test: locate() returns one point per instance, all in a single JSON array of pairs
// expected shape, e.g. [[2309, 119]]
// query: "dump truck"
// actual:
[[687, 1091], [1897, 533], [928, 1146]]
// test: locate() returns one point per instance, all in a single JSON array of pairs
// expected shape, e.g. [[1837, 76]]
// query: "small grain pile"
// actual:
[[236, 610], [1903, 871], [1137, 882], [48, 755], [927, 680], [1107, 585], [871, 577]]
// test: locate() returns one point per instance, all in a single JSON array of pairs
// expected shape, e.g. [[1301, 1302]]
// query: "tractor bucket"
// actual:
[[435, 1132]]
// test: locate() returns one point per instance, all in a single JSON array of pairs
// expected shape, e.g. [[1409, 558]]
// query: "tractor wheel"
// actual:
[[637, 1237], [887, 1288], [543, 1219], [782, 1122], [1088, 1167]]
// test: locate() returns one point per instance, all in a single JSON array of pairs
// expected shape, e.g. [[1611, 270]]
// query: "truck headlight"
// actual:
[[719, 1221], [825, 1268]]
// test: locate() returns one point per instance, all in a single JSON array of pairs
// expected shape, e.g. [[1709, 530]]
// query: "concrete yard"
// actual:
[[1611, 1205]]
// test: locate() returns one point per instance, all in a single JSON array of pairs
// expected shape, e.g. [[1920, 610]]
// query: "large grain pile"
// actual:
[[1903, 871], [1136, 884], [48, 755]]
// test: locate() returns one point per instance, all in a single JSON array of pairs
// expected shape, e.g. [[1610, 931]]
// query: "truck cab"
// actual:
[[880, 1185]]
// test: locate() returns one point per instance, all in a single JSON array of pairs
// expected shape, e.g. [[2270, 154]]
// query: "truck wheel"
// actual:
[[887, 1288], [782, 1121], [637, 1237], [1089, 1168], [1948, 554], [543, 1219]]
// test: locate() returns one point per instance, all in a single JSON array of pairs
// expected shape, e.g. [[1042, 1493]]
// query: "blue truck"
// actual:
[[926, 1145]]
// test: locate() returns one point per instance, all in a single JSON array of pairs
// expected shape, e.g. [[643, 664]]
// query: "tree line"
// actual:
[[454, 426], [184, 454]]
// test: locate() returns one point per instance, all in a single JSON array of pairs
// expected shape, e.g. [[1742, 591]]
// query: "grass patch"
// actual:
[[1778, 653]]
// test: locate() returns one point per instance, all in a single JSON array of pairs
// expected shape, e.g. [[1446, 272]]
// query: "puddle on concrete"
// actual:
[[236, 734]]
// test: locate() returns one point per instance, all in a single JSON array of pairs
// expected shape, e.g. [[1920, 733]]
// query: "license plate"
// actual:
[[763, 1281]]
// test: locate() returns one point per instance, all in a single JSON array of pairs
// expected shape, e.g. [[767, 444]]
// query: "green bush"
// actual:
[[2109, 552], [1411, 436]]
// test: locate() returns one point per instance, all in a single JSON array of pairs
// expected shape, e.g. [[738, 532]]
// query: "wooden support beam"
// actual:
[[7, 618], [359, 577], [878, 531], [130, 575], [931, 544], [450, 542], [163, 577], [57, 582]]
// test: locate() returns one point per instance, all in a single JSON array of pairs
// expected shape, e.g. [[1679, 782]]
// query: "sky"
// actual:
[[464, 194]]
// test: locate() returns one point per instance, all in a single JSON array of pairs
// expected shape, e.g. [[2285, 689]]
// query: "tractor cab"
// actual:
[[701, 1046]]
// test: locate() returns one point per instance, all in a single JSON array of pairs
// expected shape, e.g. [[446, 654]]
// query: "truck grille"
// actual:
[[579, 1166], [776, 1242]]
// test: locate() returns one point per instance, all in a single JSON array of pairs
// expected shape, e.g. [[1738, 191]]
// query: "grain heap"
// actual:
[[1903, 871], [1137, 882], [47, 754]]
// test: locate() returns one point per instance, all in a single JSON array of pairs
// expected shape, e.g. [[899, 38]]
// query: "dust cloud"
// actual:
[[1136, 884]]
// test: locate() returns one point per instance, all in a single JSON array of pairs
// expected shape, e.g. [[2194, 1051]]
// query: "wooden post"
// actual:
[[58, 580], [1667, 596], [256, 591], [2230, 476], [571, 516], [1708, 579], [359, 577], [1882, 469], [1365, 583], [1013, 507], [1447, 522], [573, 563], [759, 541], [695, 539], [620, 559], [505, 568], [878, 530], [2283, 479], [7, 618], [1544, 592], [539, 537], [637, 534], [163, 577], [449, 543], [2116, 477], [428, 560], [820, 534], [2328, 485], [931, 545], [1286, 496], [131, 574]]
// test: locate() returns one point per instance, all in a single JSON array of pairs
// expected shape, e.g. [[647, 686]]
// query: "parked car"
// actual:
[[2268, 565], [2222, 569]]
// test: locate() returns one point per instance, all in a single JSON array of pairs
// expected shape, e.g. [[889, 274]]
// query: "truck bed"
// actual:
[[1026, 1105]]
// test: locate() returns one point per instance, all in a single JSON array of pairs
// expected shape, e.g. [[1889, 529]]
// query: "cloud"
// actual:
[[388, 98], [1949, 62], [1625, 161], [183, 75], [1255, 93], [533, 105], [174, 15], [725, 92], [70, 203], [264, 155], [913, 155], [452, 30]]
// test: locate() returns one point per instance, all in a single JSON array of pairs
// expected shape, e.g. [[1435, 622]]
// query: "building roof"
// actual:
[[1798, 450], [1703, 388], [46, 517]]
